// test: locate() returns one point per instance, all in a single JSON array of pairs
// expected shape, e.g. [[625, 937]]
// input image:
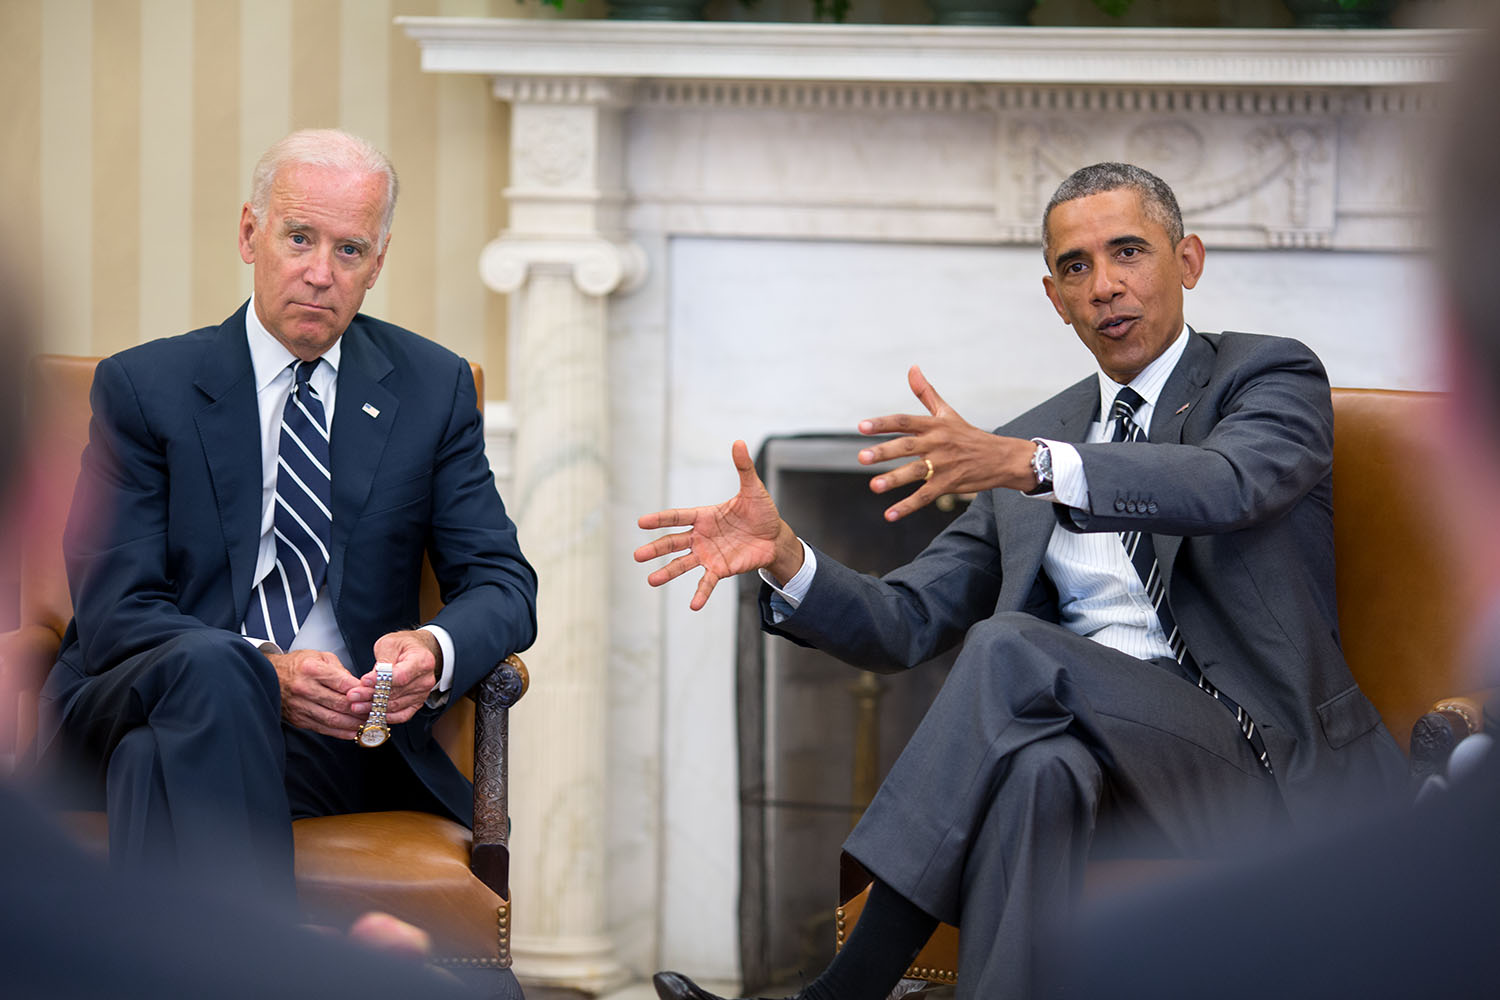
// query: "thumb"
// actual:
[[923, 390], [740, 453]]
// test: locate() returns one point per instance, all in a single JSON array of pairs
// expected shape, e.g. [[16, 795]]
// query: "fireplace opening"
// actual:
[[816, 736]]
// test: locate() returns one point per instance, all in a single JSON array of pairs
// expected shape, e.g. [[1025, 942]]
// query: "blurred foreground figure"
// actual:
[[1405, 907]]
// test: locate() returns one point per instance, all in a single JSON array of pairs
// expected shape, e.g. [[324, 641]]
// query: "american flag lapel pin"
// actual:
[[372, 411]]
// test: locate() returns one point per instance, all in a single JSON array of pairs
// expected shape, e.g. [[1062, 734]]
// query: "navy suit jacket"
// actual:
[[1235, 486], [165, 527]]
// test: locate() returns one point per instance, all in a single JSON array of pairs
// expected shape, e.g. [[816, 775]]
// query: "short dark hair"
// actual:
[[1467, 209], [1156, 197]]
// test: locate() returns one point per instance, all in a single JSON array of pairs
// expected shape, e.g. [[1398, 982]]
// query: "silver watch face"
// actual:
[[372, 736]]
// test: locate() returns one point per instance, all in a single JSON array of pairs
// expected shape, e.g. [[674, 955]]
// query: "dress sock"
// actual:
[[890, 932]]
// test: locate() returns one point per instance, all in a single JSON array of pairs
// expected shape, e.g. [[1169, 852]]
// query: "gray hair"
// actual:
[[1157, 199], [322, 147]]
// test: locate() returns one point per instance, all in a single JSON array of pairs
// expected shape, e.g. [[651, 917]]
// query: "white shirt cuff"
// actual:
[[796, 588], [1070, 486], [445, 680]]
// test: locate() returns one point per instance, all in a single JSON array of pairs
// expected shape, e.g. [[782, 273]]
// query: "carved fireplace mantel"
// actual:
[[691, 204], [905, 53], [1268, 135]]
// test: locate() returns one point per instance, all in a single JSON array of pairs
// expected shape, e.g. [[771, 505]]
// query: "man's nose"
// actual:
[[1106, 283], [319, 271]]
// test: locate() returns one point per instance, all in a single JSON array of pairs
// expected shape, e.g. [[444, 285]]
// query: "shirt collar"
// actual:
[[1149, 383], [269, 356]]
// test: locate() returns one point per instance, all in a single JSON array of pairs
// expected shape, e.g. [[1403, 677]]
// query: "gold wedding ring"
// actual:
[[929, 469]]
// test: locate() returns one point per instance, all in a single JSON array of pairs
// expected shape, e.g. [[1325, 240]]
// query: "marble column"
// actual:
[[559, 260]]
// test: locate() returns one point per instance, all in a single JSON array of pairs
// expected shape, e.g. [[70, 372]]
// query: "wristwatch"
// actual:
[[374, 730], [1041, 465]]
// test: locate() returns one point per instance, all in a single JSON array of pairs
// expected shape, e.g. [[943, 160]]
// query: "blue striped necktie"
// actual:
[[303, 521], [1142, 552]]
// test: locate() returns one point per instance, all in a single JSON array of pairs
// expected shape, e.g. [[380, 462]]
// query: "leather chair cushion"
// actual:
[[410, 864]]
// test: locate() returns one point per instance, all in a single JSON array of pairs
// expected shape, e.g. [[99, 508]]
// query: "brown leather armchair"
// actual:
[[422, 868], [1401, 631]]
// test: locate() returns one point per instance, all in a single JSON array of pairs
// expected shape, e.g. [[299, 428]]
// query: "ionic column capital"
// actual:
[[598, 266]]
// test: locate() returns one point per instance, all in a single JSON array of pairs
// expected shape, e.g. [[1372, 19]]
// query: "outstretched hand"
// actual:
[[964, 458], [741, 534]]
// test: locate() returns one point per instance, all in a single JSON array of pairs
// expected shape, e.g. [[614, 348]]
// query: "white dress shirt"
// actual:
[[271, 362], [1100, 595]]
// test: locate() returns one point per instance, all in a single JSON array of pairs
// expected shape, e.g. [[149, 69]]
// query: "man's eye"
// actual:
[[349, 250], [1128, 252], [1075, 268], [299, 239]]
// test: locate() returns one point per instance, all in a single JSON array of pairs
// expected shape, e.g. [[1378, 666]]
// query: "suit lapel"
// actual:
[[364, 414], [228, 428], [1182, 392], [1183, 389]]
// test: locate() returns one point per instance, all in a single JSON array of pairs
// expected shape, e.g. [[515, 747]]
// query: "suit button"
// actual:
[[1151, 507], [1131, 506], [1119, 504]]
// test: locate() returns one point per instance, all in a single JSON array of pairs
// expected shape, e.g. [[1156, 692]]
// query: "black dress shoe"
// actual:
[[676, 986]]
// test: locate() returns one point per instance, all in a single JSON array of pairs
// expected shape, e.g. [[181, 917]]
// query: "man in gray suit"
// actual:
[[1371, 912], [1143, 590]]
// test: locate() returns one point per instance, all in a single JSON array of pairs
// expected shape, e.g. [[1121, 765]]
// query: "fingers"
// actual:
[[911, 472], [897, 423], [339, 725], [912, 503], [901, 447], [665, 545], [678, 517], [705, 589], [413, 656], [308, 701], [673, 570]]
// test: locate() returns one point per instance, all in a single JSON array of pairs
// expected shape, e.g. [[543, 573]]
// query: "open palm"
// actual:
[[742, 534]]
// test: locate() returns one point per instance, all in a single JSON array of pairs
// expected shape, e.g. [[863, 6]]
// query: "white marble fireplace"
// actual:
[[725, 231]]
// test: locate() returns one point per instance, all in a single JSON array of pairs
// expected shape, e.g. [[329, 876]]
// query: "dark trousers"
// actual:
[[988, 815], [198, 770]]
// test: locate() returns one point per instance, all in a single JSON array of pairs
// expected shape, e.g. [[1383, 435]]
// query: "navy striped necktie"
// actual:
[[303, 523], [1142, 552]]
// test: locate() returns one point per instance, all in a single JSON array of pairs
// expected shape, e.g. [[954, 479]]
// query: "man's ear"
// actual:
[[1190, 254], [247, 234], [1049, 285]]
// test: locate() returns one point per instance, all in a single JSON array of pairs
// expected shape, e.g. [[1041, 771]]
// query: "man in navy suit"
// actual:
[[1143, 591], [207, 732]]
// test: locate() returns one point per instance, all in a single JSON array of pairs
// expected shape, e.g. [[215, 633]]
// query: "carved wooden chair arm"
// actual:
[[490, 859], [1450, 720]]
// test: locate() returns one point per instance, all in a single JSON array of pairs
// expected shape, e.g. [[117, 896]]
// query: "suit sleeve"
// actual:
[[912, 613], [1267, 440], [488, 587], [115, 543]]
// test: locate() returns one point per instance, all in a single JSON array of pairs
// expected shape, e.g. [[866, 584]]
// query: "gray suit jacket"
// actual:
[[1235, 486]]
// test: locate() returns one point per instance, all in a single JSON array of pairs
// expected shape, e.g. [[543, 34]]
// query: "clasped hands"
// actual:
[[746, 532], [318, 694]]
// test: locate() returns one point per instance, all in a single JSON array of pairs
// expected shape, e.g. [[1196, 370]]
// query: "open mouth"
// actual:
[[1117, 326]]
